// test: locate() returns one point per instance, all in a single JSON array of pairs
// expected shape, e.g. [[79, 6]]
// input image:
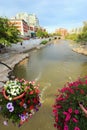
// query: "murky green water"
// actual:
[[51, 67]]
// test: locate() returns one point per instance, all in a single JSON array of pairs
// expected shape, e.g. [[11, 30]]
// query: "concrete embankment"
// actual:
[[81, 50], [11, 62], [14, 55]]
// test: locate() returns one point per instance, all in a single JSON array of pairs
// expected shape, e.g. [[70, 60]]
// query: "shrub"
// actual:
[[44, 42]]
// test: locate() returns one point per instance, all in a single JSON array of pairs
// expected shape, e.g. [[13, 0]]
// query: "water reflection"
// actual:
[[51, 67]]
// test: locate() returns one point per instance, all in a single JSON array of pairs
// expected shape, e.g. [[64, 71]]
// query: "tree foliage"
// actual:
[[8, 32], [82, 37], [41, 33], [72, 36]]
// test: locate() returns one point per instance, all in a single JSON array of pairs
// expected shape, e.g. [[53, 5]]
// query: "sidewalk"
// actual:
[[26, 45], [14, 55]]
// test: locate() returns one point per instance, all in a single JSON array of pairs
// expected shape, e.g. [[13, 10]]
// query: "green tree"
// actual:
[[82, 37], [41, 33], [8, 32], [72, 36]]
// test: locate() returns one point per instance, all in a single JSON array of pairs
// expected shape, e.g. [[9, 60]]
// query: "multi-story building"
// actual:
[[21, 25], [32, 21], [23, 16], [62, 31]]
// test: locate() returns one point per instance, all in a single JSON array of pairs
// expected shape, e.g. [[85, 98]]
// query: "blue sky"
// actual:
[[52, 14]]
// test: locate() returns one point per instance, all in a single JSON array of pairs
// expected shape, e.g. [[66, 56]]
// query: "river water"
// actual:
[[51, 67]]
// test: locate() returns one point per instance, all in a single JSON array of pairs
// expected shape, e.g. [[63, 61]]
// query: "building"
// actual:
[[32, 21], [62, 32], [22, 26], [76, 30], [23, 16]]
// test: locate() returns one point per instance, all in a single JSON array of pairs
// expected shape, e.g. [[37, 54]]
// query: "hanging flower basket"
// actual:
[[19, 100], [67, 112]]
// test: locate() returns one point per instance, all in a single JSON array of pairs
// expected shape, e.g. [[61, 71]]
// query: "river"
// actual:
[[51, 67]]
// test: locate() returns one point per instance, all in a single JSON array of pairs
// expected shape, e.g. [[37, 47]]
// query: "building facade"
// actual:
[[32, 21], [21, 25], [62, 32]]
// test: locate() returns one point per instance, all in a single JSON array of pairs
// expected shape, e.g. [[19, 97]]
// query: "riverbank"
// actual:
[[15, 54], [82, 49]]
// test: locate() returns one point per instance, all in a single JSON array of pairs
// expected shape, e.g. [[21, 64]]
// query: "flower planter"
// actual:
[[14, 98], [19, 100]]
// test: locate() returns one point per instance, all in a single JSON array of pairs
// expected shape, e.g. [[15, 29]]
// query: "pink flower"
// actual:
[[56, 119], [70, 110], [65, 113], [75, 120], [76, 111], [77, 128], [68, 117], [66, 127]]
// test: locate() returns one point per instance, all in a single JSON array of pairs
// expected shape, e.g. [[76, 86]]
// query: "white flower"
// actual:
[[8, 91], [13, 93], [10, 98]]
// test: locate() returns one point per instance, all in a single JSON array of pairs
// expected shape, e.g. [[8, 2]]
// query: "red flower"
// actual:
[[28, 101], [37, 91], [31, 92], [31, 107], [82, 92], [35, 100], [21, 103]]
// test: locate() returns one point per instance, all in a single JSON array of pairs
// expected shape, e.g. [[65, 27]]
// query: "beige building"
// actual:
[[62, 31], [21, 25], [32, 21]]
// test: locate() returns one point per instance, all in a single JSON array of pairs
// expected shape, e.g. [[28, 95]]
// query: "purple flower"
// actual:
[[36, 109], [9, 105], [23, 117], [39, 104], [11, 109]]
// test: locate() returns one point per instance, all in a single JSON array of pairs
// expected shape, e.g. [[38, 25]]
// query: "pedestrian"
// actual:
[[21, 43]]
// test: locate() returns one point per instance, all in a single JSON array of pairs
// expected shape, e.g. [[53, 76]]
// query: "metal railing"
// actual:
[[6, 65], [10, 74]]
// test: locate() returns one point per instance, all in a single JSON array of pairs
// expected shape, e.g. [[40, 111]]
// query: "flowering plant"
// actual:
[[67, 112], [19, 100]]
